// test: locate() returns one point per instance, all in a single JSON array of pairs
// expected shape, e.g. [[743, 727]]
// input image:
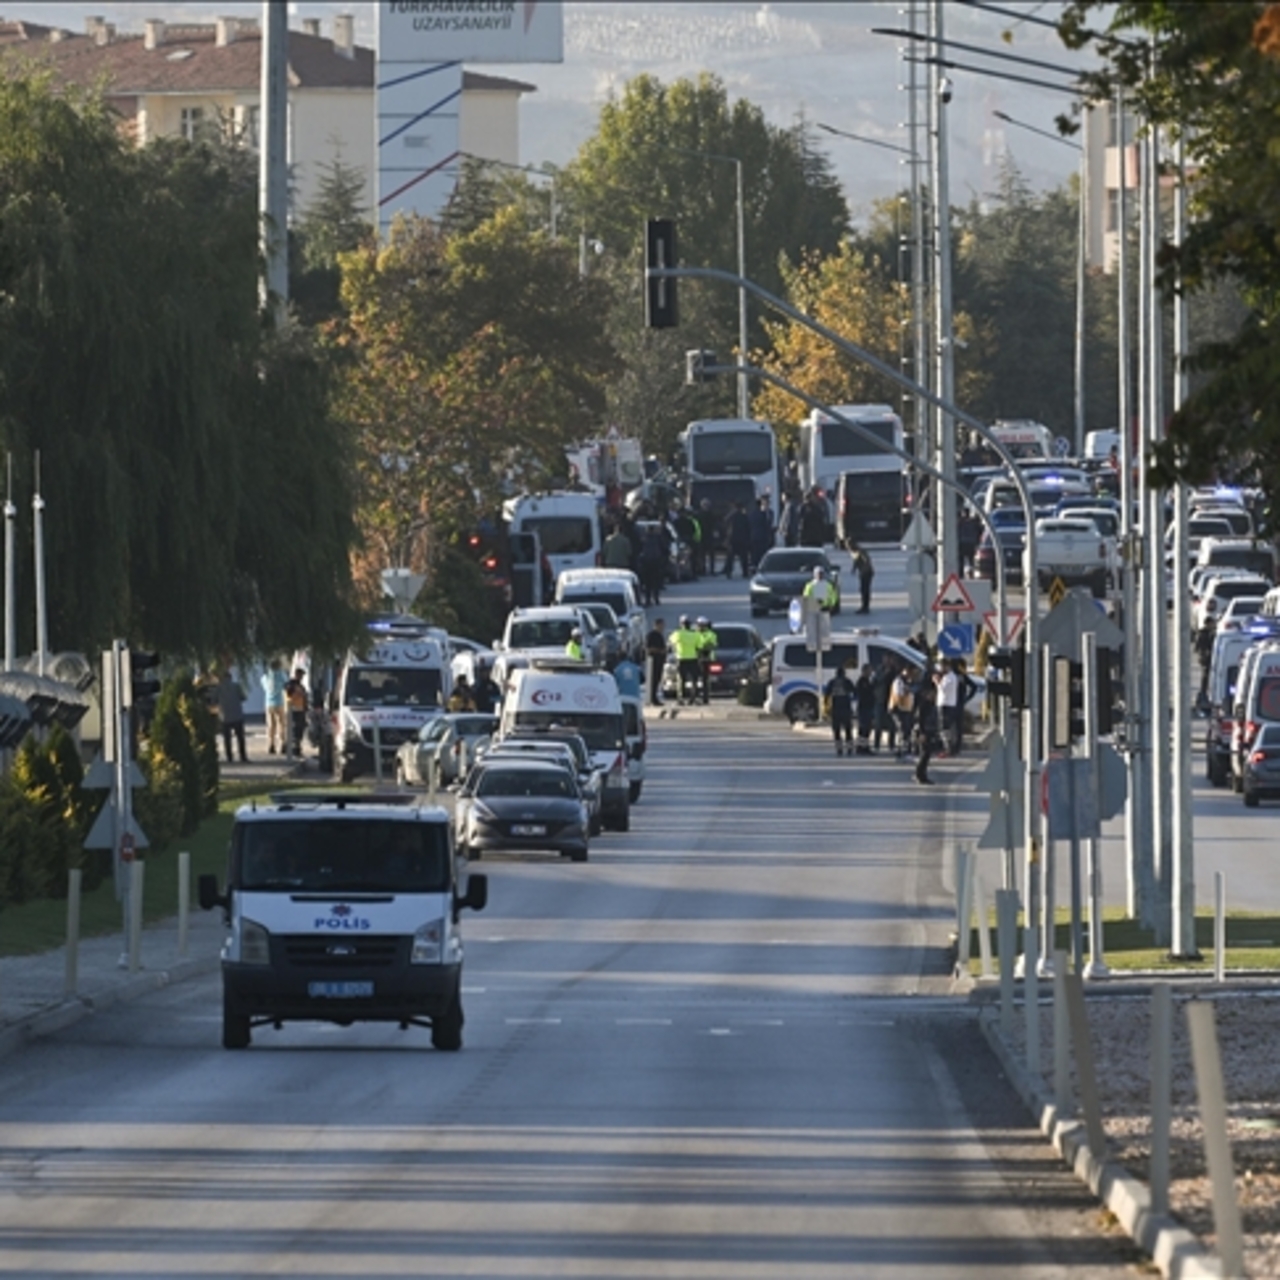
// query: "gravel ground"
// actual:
[[1249, 1037]]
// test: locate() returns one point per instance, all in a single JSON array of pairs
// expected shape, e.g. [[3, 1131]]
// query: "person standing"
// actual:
[[653, 563], [573, 646], [791, 521], [964, 691], [762, 531], [739, 541], [902, 702], [864, 692], [886, 723], [231, 713], [461, 699], [295, 696], [866, 571], [948, 693], [486, 694], [710, 523], [926, 729], [273, 682], [820, 591], [655, 645], [617, 550], [840, 695], [707, 641], [814, 520], [685, 644]]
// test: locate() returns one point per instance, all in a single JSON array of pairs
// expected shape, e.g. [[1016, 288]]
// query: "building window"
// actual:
[[251, 127], [192, 118], [1113, 209]]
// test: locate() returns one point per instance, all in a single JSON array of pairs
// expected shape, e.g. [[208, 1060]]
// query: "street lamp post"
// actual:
[[744, 388]]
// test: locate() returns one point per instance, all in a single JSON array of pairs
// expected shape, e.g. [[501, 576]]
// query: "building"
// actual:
[[180, 79]]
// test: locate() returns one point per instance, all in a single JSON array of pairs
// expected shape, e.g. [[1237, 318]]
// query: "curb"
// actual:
[[54, 1018], [1176, 1251]]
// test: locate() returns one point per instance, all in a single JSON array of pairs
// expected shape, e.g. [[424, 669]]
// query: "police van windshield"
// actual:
[[560, 535], [600, 732], [585, 599], [392, 687], [346, 855], [542, 634]]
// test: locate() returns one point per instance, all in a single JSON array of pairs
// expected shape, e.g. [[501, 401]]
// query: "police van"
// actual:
[[342, 908], [1257, 702], [547, 694], [385, 694]]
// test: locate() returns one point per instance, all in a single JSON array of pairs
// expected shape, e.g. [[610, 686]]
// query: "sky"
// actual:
[[817, 61]]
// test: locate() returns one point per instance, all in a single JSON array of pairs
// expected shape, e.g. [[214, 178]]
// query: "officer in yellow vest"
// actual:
[[818, 589], [685, 644], [706, 655], [573, 646]]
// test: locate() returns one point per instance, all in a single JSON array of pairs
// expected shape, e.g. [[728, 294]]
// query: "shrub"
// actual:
[[183, 747]]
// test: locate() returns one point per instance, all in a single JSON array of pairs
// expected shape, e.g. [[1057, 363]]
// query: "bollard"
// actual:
[[136, 876], [1031, 997], [1219, 926], [1161, 1093], [980, 909], [964, 909], [1061, 1036], [1086, 1080], [184, 899], [74, 876], [1217, 1149], [1007, 941]]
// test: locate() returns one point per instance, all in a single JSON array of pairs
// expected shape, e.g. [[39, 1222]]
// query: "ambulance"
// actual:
[[385, 694], [343, 908]]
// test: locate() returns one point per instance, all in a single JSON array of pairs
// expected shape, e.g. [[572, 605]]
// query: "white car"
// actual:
[[544, 632]]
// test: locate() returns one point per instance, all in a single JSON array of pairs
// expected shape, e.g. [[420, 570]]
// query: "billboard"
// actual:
[[481, 31]]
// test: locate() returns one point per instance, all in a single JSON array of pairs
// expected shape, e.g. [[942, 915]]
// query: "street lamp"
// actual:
[[1081, 253], [744, 392], [520, 168]]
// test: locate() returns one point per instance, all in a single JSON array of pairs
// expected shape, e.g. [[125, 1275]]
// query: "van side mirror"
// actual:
[[207, 893]]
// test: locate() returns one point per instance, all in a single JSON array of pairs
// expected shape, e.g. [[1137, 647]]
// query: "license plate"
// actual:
[[339, 990], [523, 829]]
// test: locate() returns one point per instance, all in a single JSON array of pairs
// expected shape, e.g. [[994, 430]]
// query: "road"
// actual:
[[722, 1048]]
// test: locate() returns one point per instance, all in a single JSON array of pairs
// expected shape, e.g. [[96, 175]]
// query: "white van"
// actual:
[[567, 525], [342, 908], [550, 693], [385, 695], [1257, 702], [618, 588]]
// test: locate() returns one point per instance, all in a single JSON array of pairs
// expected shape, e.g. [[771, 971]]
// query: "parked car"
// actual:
[[517, 805], [1262, 767], [446, 745], [783, 575], [1011, 531], [736, 645]]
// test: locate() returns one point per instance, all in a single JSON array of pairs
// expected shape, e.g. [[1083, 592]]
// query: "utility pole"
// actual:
[[920, 365], [273, 160], [1082, 257]]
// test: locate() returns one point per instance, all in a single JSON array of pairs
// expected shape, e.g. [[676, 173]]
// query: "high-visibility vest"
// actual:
[[822, 591], [573, 650], [706, 643], [685, 643]]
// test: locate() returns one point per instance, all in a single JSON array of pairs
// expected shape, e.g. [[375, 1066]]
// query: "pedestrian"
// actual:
[[273, 682], [231, 713], [685, 644], [902, 702], [814, 520], [627, 676], [573, 646], [295, 696], [617, 550], [864, 692], [926, 729], [948, 692], [820, 591], [707, 641], [739, 541], [461, 698], [1205, 637], [655, 645], [840, 695], [762, 531], [653, 563], [968, 534], [791, 521], [485, 694], [967, 689], [865, 570], [886, 724], [711, 531]]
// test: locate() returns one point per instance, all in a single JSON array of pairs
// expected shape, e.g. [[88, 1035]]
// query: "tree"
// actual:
[[335, 222], [1207, 73]]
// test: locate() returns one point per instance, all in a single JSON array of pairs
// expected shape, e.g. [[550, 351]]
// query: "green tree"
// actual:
[[335, 222]]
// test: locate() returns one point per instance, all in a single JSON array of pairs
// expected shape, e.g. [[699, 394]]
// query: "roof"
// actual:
[[189, 60]]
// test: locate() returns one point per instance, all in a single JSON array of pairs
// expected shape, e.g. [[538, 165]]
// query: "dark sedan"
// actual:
[[783, 574], [1012, 540], [736, 645], [518, 805], [1262, 766]]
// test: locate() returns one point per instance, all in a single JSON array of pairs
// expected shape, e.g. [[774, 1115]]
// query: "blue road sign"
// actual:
[[795, 617], [956, 640]]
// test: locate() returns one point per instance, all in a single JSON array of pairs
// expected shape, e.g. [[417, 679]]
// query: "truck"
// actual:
[[1073, 550]]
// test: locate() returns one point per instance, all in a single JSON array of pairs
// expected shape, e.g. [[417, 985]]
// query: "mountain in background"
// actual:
[[819, 62]]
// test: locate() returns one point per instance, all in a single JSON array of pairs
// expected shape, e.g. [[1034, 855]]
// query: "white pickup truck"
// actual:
[[1074, 550]]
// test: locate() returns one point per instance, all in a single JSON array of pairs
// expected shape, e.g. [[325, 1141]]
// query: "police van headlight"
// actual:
[[255, 943], [428, 941]]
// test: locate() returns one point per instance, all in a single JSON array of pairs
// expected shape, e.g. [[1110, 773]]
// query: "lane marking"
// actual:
[[539, 1022], [642, 1022]]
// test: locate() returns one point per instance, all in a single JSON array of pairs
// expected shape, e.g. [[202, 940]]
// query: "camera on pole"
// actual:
[[660, 311], [699, 366]]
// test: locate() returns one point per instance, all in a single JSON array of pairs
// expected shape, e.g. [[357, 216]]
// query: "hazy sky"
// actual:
[[817, 60]]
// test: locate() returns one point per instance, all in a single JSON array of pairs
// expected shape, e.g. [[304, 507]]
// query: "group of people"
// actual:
[[285, 699], [918, 713], [694, 647], [483, 696]]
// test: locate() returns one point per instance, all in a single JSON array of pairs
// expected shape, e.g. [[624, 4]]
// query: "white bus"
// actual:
[[730, 460], [873, 477]]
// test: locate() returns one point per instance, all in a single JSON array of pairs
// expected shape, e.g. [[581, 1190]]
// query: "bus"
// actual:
[[730, 460], [843, 463]]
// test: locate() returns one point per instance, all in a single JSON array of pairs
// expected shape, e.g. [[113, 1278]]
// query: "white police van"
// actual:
[[385, 694], [342, 908]]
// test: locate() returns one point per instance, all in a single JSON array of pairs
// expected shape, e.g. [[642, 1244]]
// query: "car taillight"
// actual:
[[619, 763], [716, 668]]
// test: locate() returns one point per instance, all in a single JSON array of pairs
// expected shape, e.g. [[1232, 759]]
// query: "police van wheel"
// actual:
[[636, 788], [446, 1030], [235, 1028], [578, 855], [802, 708]]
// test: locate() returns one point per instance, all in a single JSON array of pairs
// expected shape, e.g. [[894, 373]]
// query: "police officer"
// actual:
[[685, 644], [819, 590], [655, 646], [573, 646], [707, 641]]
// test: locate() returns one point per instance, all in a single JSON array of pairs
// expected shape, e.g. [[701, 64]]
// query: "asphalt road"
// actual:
[[722, 1048]]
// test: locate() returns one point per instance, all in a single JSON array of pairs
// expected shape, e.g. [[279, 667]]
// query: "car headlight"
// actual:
[[481, 812], [255, 943], [428, 942]]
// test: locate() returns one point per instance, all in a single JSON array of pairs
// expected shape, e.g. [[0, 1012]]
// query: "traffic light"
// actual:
[[1007, 676], [660, 311], [1110, 691], [140, 682]]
